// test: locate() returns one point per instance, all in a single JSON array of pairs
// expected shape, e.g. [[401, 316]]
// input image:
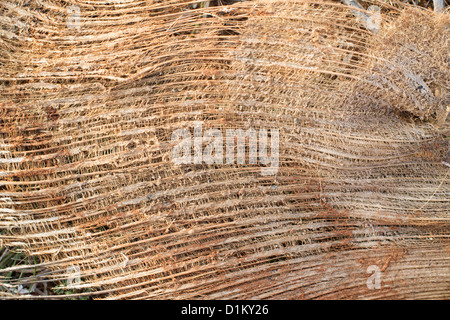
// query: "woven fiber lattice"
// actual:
[[91, 93]]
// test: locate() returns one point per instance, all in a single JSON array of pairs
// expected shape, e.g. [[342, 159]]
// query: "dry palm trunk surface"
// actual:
[[91, 93]]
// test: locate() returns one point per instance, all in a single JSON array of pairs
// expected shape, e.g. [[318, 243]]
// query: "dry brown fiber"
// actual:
[[87, 179]]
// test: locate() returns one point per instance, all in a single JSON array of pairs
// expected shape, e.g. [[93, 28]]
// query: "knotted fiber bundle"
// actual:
[[91, 94]]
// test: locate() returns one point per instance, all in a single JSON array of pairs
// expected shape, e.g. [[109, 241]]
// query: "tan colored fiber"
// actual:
[[86, 175]]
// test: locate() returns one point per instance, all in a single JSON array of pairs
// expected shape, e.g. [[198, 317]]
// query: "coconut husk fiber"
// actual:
[[87, 111]]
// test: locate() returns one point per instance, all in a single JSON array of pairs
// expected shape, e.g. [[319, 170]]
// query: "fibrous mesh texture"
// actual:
[[90, 97]]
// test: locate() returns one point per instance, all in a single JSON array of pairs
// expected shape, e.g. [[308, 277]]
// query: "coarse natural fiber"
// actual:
[[91, 92]]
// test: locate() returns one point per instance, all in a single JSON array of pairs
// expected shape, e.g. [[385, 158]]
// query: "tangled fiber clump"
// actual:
[[91, 92]]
